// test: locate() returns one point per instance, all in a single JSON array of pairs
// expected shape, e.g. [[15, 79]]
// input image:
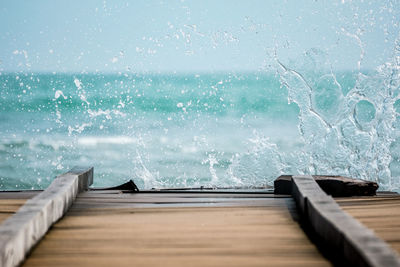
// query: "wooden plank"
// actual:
[[10, 202], [338, 229], [24, 194], [9, 206], [95, 235], [336, 186], [20, 232], [116, 199], [381, 214], [183, 194]]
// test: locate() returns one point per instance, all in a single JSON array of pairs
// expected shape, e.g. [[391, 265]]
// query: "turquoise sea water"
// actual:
[[199, 129]]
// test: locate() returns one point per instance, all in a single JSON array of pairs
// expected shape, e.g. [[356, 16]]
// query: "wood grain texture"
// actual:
[[154, 230], [10, 202], [337, 186], [339, 230], [9, 206], [381, 214], [21, 231]]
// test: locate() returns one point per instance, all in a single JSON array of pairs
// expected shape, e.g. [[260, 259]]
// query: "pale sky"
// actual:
[[190, 36]]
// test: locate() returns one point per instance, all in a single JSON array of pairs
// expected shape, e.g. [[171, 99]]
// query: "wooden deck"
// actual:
[[10, 202], [188, 228], [380, 213], [166, 229]]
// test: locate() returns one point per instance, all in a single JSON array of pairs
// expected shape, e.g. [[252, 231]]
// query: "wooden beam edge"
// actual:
[[339, 230], [20, 232]]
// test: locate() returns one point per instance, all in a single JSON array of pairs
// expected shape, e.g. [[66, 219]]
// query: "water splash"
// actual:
[[211, 161], [260, 165], [81, 91], [347, 133], [78, 128], [142, 174]]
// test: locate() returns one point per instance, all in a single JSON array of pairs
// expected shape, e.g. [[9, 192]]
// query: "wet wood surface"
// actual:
[[114, 229], [380, 213]]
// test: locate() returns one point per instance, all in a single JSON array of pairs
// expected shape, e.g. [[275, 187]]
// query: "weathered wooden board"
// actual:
[[182, 194], [134, 234], [337, 186], [381, 214], [116, 199], [358, 244], [21, 231], [105, 228]]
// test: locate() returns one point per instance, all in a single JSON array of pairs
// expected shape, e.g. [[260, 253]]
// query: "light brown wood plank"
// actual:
[[10, 202], [91, 235], [9, 206]]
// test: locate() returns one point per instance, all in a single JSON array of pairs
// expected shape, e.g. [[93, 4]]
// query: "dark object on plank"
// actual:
[[336, 186], [128, 186]]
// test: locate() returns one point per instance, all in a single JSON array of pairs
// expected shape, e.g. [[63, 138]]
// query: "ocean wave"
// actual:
[[120, 95], [34, 143], [110, 140]]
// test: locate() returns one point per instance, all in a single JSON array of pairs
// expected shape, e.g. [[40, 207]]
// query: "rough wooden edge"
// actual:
[[340, 231], [336, 186], [20, 232]]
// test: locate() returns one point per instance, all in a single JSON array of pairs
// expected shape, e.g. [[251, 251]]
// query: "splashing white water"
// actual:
[[78, 128], [353, 134], [81, 92], [58, 94], [260, 165], [211, 160]]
